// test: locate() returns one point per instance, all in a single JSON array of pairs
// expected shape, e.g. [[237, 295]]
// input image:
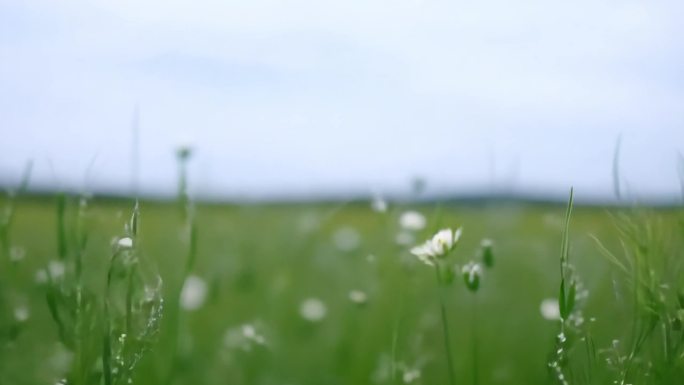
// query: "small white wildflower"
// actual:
[[125, 243], [443, 241], [549, 309], [21, 313], [312, 309], [358, 297], [56, 269], [347, 239], [425, 253], [438, 246], [412, 220], [194, 293]]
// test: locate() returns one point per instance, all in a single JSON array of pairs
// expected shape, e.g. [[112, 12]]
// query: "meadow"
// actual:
[[97, 291]]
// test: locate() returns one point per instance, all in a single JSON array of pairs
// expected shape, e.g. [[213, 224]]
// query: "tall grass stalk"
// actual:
[[187, 211], [474, 342]]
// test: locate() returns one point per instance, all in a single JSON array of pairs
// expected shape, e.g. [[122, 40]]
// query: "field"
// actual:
[[330, 294]]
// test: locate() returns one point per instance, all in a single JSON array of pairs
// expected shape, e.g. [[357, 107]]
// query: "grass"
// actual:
[[260, 262]]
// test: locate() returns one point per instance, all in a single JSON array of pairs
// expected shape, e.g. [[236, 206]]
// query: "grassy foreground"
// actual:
[[325, 294]]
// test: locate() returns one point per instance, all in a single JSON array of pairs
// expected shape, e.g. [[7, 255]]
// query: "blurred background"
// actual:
[[310, 99], [321, 142]]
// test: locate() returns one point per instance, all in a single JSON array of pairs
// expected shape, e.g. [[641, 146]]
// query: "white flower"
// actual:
[[56, 269], [438, 246], [549, 309], [412, 220], [313, 309], [358, 297], [444, 240], [425, 253], [194, 293]]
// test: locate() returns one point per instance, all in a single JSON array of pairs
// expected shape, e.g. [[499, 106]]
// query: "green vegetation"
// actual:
[[331, 294]]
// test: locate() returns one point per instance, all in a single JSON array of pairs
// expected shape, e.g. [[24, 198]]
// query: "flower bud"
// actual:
[[471, 276], [487, 252]]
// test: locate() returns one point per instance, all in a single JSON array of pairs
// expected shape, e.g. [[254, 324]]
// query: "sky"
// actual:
[[313, 97]]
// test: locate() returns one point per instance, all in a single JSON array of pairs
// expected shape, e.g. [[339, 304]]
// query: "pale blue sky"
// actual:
[[304, 97]]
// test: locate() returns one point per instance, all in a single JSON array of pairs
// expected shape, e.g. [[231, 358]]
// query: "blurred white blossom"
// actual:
[[313, 309], [358, 297], [194, 293], [412, 220], [56, 269], [21, 313], [549, 309]]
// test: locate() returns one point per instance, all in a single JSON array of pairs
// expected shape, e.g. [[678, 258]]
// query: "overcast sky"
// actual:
[[303, 97]]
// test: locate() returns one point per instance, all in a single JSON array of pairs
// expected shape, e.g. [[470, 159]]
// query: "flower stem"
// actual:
[[474, 342], [445, 328]]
